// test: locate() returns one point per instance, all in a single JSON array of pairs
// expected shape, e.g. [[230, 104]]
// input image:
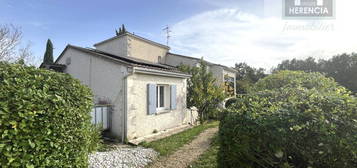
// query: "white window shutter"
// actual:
[[173, 97], [151, 99]]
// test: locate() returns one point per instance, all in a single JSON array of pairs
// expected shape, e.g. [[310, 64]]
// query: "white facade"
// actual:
[[125, 87], [134, 46], [105, 78], [139, 122], [137, 77]]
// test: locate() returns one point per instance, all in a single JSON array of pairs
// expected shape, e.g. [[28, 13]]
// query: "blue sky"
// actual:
[[84, 23], [224, 31]]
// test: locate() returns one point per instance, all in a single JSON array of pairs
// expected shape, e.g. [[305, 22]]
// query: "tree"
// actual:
[[247, 76], [121, 30], [343, 68], [10, 45], [307, 65], [203, 93], [48, 56], [118, 32]]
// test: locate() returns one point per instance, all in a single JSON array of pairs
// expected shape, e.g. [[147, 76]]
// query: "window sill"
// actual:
[[162, 111]]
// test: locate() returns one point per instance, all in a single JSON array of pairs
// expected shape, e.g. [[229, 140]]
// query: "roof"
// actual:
[[209, 63], [135, 36], [125, 60], [53, 66]]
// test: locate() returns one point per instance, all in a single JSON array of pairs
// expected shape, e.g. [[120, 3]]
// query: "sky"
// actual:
[[224, 31]]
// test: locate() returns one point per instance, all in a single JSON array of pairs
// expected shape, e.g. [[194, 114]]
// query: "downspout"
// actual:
[[129, 72]]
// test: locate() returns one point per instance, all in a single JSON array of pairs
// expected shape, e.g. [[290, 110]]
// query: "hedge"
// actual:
[[44, 119], [296, 125], [230, 102]]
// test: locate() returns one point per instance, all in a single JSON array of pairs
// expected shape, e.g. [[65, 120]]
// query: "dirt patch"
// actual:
[[188, 153]]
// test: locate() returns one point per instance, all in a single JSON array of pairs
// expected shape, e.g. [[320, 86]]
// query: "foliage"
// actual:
[[202, 91], [209, 158], [291, 119], [297, 79], [246, 76], [48, 56], [45, 119], [229, 85], [168, 145], [95, 138], [340, 67], [121, 30], [230, 102]]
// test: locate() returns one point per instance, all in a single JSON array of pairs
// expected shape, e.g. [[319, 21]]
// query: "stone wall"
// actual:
[[139, 122]]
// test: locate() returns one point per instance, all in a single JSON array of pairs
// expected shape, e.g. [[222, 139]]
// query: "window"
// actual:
[[162, 97]]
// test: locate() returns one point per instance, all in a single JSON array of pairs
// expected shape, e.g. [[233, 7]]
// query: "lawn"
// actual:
[[168, 145], [209, 158]]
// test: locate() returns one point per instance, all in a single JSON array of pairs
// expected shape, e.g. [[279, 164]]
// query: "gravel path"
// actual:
[[188, 153], [122, 157]]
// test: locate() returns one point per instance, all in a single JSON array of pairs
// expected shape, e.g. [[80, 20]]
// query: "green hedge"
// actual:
[[300, 124], [230, 102], [44, 119]]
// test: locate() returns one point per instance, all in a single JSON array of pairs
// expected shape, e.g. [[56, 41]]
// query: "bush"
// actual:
[[298, 79], [202, 92], [300, 124], [45, 119], [230, 102]]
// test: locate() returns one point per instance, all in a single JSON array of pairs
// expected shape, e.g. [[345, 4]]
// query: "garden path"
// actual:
[[188, 153]]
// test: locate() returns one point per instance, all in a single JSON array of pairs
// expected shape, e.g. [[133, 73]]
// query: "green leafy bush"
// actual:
[[44, 119], [202, 91], [230, 102], [298, 79], [299, 124]]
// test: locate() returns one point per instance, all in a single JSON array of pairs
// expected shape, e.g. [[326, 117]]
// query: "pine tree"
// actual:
[[119, 31], [48, 56], [123, 29]]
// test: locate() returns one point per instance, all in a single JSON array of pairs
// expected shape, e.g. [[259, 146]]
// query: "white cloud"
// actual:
[[228, 36]]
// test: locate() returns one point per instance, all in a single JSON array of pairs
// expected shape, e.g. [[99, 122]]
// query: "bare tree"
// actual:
[[25, 54], [10, 49]]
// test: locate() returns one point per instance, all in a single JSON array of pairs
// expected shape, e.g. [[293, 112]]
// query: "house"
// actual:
[[225, 76], [139, 79], [158, 53]]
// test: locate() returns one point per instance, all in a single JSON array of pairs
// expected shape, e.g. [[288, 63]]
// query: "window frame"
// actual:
[[166, 105]]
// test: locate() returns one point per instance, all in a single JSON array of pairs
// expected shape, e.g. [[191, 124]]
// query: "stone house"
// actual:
[[225, 76], [139, 79]]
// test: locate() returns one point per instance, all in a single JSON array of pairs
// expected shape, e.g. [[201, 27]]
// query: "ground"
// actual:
[[209, 158], [188, 153], [180, 150], [169, 145]]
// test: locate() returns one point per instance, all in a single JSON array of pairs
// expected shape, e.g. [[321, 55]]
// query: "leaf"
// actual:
[[30, 166], [279, 154], [32, 144]]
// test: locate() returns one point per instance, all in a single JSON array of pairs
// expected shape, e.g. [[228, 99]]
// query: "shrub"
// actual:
[[230, 102], [45, 119], [299, 124], [202, 91], [298, 79]]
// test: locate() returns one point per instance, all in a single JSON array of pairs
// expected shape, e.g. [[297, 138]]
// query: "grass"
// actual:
[[168, 145], [209, 158]]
